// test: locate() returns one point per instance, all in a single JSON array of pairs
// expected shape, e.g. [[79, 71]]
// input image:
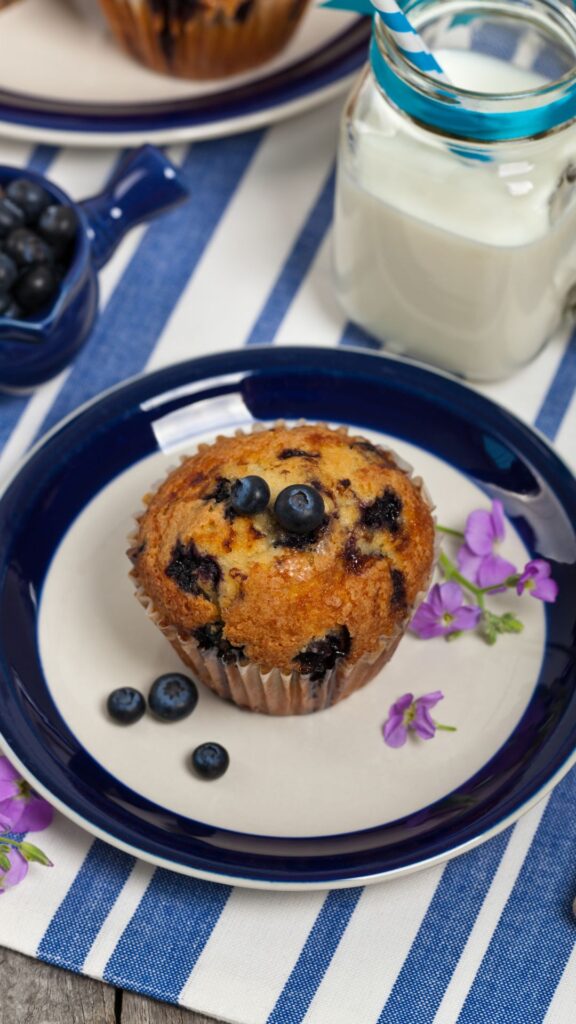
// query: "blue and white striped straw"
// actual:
[[407, 39]]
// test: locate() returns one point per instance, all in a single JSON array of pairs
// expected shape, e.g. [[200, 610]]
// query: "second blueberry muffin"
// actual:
[[203, 39], [285, 601]]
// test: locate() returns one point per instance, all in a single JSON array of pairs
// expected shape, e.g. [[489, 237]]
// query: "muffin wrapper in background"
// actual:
[[274, 692], [207, 42]]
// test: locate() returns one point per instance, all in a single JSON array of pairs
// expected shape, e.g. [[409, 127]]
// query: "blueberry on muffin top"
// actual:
[[317, 574]]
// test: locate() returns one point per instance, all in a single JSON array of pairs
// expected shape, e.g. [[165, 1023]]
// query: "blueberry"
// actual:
[[11, 309], [250, 495], [27, 248], [210, 760], [126, 705], [58, 224], [36, 287], [29, 196], [8, 272], [299, 508], [172, 697], [11, 216]]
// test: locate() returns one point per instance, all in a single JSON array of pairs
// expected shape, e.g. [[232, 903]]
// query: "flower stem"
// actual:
[[451, 572], [449, 531], [12, 842], [446, 728]]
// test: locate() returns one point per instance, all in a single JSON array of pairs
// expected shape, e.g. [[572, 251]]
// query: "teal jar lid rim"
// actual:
[[450, 115]]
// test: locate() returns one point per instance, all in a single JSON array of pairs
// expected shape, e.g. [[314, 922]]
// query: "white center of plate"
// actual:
[[305, 776]]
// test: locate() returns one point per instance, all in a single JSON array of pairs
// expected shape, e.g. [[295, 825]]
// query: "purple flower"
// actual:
[[444, 612], [407, 714], [477, 559], [537, 581], [16, 872], [21, 809]]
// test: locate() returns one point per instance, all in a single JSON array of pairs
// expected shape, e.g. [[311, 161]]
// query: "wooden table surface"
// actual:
[[35, 993]]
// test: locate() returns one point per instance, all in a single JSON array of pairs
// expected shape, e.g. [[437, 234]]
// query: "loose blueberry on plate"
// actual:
[[126, 705], [172, 697], [299, 508], [36, 287], [250, 495], [210, 760], [29, 196]]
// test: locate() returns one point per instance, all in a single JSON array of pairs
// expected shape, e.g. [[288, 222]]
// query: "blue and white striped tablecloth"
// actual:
[[486, 938]]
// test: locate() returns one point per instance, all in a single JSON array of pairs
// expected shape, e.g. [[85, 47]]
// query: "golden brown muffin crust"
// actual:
[[271, 593]]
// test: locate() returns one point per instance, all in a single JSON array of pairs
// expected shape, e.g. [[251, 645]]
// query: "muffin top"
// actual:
[[255, 591]]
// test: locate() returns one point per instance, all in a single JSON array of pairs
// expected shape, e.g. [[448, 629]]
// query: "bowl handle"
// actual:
[[145, 184]]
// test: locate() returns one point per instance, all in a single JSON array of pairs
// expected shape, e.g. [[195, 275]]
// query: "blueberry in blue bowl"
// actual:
[[51, 249]]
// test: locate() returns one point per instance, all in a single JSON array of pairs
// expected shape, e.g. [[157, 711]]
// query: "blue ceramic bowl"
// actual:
[[34, 349]]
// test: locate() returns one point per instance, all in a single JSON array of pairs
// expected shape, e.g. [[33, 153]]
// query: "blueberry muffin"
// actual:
[[203, 39], [284, 565]]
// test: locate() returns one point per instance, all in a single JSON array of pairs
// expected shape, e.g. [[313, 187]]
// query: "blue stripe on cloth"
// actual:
[[357, 337], [316, 956], [89, 900], [41, 158], [138, 310], [166, 935], [442, 935], [535, 935], [559, 394], [296, 266]]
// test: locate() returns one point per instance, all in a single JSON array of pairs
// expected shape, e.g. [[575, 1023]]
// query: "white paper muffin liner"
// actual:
[[275, 692]]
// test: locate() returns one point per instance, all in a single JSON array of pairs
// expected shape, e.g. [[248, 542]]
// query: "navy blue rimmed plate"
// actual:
[[117, 101], [308, 802]]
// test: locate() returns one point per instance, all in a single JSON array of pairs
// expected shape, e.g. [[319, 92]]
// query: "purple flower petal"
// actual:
[[8, 789], [452, 597], [466, 618], [17, 872], [468, 563], [434, 601], [479, 532], [433, 630], [498, 520], [545, 590], [10, 815], [536, 579], [430, 700], [36, 815], [7, 772], [425, 623], [394, 732], [423, 724], [402, 704], [494, 570]]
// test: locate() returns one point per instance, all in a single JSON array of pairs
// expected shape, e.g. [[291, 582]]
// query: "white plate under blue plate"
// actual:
[[311, 801], [63, 80]]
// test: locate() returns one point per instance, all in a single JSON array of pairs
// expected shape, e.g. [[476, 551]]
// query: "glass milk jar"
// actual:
[[455, 211]]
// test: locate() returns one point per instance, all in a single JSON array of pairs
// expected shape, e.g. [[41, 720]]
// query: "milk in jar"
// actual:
[[456, 251]]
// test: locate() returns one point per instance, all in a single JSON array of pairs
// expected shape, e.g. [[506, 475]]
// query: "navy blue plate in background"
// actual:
[[84, 454], [308, 80]]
